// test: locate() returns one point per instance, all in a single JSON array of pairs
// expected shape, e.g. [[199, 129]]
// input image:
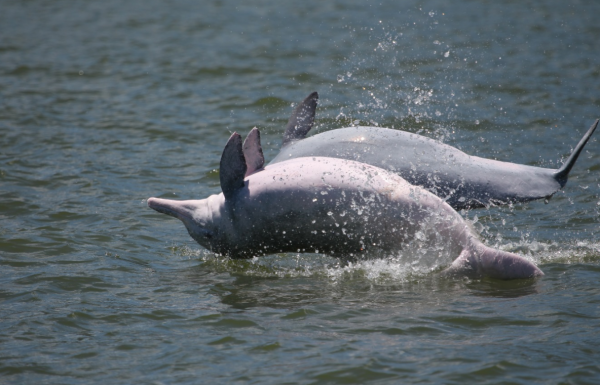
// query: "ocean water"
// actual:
[[104, 104]]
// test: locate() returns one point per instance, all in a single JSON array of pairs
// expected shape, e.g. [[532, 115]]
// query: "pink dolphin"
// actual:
[[333, 206]]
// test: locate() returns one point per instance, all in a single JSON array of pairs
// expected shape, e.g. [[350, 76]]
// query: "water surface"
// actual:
[[106, 104]]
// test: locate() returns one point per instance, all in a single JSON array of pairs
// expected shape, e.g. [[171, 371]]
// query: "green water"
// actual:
[[105, 104]]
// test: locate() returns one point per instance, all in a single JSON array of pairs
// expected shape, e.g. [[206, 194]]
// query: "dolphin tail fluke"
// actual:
[[301, 120], [562, 174], [484, 261]]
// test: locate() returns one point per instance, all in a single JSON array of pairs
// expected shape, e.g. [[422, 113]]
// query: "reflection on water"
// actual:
[[503, 289]]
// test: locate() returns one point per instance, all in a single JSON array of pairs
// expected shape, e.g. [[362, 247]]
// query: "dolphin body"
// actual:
[[464, 181], [333, 206]]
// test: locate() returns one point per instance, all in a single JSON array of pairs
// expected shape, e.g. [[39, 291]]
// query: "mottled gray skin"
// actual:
[[336, 207], [462, 180]]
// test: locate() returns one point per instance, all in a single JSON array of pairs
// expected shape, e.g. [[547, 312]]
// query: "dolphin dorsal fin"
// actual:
[[301, 120], [255, 160], [233, 167]]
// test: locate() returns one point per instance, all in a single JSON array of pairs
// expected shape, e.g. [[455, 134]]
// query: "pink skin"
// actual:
[[341, 208]]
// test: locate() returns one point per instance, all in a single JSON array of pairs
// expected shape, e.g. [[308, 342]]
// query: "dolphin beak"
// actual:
[[177, 209]]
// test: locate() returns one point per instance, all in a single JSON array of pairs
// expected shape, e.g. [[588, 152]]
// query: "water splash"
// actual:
[[414, 262]]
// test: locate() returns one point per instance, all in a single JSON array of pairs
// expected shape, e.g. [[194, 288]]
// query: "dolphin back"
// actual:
[[462, 180]]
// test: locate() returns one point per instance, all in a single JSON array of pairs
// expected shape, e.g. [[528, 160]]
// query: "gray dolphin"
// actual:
[[332, 206], [462, 180]]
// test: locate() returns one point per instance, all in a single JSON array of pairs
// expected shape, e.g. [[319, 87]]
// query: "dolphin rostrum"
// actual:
[[333, 206], [464, 181]]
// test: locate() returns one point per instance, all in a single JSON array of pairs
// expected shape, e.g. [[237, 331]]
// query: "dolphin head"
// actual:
[[195, 215], [208, 220]]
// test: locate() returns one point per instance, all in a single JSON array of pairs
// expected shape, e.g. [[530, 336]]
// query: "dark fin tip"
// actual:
[[301, 120], [562, 174], [232, 168]]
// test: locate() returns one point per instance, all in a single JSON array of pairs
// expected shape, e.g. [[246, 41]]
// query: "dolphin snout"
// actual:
[[154, 203], [175, 209]]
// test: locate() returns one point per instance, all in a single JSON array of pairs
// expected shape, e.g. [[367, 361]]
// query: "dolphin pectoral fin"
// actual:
[[504, 265], [561, 175], [485, 261], [301, 120], [232, 169], [255, 160]]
